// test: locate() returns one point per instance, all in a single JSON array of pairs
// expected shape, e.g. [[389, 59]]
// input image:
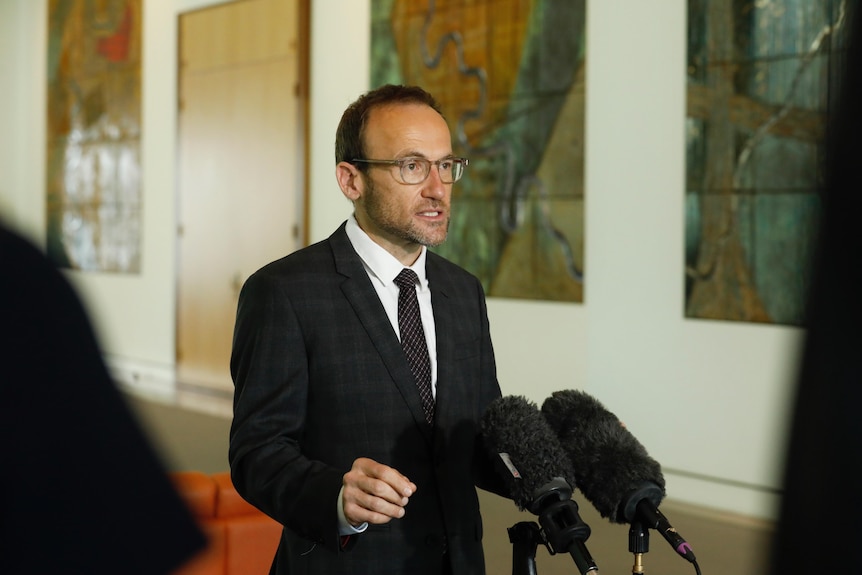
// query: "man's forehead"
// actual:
[[406, 125], [398, 111]]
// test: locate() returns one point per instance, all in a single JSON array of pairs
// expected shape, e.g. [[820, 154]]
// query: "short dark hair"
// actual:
[[349, 142]]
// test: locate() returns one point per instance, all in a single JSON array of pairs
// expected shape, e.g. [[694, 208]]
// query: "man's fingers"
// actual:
[[389, 476], [360, 507], [375, 493], [400, 484]]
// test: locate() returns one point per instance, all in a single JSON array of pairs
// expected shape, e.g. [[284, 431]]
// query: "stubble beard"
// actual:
[[387, 220]]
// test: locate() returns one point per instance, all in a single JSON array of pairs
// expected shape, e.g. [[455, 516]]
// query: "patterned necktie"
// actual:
[[413, 338]]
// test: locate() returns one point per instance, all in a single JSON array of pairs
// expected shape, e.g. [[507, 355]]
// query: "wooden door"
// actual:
[[241, 168]]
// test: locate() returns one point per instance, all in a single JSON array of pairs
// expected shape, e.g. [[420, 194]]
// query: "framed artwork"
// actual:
[[93, 140], [509, 75], [760, 77]]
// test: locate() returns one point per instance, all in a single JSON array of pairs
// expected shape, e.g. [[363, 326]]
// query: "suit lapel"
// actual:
[[443, 324], [363, 298]]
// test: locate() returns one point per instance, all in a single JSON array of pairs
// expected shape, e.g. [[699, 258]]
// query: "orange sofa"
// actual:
[[242, 539]]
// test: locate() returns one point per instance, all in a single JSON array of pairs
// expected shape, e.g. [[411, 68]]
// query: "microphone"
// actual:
[[615, 473], [537, 473]]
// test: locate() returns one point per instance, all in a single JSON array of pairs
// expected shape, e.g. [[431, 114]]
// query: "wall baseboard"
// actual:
[[158, 382]]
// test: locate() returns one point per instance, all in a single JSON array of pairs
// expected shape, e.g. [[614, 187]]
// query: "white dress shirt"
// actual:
[[382, 269]]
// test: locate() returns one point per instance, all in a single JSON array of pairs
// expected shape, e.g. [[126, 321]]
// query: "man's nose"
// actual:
[[434, 184]]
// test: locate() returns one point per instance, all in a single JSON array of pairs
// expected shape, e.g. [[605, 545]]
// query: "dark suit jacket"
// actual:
[[321, 379]]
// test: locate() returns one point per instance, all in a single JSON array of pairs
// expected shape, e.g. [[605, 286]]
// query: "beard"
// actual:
[[387, 218]]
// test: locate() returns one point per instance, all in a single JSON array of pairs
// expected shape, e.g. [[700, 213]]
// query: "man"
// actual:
[[330, 435]]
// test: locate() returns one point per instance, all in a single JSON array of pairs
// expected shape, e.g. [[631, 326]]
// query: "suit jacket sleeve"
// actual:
[[271, 377]]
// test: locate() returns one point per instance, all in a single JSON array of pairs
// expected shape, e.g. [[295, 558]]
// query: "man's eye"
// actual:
[[411, 165], [446, 165]]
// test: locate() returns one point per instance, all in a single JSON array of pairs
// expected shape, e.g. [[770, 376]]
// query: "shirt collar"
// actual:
[[377, 260]]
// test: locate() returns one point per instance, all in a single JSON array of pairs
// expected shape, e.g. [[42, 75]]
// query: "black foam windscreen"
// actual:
[[614, 470], [528, 451]]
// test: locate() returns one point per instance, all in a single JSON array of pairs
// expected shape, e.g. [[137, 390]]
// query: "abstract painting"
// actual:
[[760, 77], [509, 75], [93, 140]]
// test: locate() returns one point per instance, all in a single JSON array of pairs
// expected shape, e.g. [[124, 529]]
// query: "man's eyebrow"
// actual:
[[412, 154], [416, 154]]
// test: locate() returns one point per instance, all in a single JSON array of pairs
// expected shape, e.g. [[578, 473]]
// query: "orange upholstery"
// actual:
[[242, 539]]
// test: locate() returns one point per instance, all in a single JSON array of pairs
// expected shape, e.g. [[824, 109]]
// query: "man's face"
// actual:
[[403, 217]]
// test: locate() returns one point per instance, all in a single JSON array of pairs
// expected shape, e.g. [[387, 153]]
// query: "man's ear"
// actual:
[[349, 180]]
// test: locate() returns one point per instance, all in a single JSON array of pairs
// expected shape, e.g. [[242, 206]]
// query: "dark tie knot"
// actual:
[[407, 278]]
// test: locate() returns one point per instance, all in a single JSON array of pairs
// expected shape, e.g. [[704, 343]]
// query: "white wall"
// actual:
[[708, 399], [21, 144]]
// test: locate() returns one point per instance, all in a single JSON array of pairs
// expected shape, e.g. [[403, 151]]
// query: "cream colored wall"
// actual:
[[20, 140], [708, 399]]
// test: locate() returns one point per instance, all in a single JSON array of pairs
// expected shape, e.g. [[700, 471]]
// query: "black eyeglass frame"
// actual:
[[457, 174]]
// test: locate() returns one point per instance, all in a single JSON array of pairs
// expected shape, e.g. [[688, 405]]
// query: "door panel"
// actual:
[[241, 185]]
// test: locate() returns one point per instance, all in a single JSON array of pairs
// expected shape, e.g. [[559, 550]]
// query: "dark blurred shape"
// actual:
[[815, 531], [81, 490]]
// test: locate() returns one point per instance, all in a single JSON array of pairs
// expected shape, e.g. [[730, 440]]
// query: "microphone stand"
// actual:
[[562, 530], [525, 538], [638, 545], [565, 531]]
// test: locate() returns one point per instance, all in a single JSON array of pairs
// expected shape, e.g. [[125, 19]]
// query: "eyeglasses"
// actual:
[[416, 170]]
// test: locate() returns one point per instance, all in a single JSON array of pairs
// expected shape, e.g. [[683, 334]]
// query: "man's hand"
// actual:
[[374, 493]]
